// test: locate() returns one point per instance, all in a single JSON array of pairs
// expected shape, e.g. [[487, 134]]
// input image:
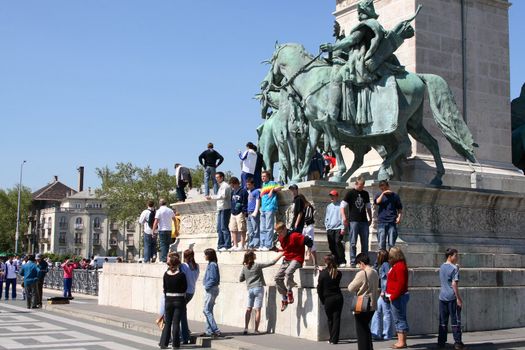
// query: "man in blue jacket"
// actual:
[[30, 274]]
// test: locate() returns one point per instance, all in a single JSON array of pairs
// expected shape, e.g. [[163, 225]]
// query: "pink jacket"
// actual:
[[68, 270]]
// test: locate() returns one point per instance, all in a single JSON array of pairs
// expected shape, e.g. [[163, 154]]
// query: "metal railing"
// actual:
[[84, 281]]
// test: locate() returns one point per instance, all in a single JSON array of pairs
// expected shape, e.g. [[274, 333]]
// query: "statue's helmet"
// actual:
[[366, 7]]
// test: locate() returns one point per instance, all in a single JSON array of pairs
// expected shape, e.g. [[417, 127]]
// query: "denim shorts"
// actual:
[[255, 297]]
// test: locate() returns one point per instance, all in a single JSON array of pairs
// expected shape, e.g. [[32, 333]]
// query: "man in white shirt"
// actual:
[[147, 218], [249, 160], [164, 217], [224, 205], [10, 278]]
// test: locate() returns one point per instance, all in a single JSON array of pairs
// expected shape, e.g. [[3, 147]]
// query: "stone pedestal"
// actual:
[[486, 226], [469, 47]]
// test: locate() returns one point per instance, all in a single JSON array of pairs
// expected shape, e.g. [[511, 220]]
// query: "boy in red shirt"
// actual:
[[292, 244]]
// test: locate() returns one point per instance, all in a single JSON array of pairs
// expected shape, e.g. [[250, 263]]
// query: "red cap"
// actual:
[[333, 193]]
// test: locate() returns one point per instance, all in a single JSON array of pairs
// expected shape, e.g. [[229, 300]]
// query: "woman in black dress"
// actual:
[[174, 285], [331, 297]]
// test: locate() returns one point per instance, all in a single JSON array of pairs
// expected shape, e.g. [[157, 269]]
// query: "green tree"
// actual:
[[8, 208], [127, 188]]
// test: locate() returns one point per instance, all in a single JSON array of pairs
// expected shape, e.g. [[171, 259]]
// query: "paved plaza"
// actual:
[[84, 324]]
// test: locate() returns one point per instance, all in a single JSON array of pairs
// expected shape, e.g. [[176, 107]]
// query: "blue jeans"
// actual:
[[209, 303], [358, 229], [185, 329], [165, 241], [382, 326], [386, 235], [446, 309], [244, 178], [253, 226], [68, 282], [150, 247], [223, 232], [399, 313], [267, 229], [12, 282], [209, 174]]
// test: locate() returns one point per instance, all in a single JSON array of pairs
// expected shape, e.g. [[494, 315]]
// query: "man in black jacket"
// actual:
[[210, 159]]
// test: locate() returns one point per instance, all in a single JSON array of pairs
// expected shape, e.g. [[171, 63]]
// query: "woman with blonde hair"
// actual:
[[331, 297], [366, 284], [397, 292], [252, 273]]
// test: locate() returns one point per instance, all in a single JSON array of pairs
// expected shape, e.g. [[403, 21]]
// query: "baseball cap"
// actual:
[[333, 193], [293, 187]]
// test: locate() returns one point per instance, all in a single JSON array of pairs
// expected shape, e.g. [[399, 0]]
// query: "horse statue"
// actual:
[[309, 78], [518, 130], [279, 142]]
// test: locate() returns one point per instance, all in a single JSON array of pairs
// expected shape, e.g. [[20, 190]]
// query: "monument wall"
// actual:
[[470, 50], [486, 226]]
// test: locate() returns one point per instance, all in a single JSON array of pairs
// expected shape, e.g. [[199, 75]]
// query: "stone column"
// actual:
[[467, 43]]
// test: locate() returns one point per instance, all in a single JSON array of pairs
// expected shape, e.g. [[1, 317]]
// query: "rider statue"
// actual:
[[370, 50]]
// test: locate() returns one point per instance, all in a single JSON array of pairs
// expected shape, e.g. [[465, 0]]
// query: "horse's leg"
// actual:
[[403, 146], [313, 139], [417, 130], [359, 155], [335, 145]]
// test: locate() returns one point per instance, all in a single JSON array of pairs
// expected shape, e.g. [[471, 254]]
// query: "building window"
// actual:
[[62, 223], [78, 251], [130, 226], [78, 237], [79, 225], [96, 238], [130, 240], [96, 223], [62, 238], [49, 226], [78, 206]]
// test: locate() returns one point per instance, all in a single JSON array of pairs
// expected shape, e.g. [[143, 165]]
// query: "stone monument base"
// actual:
[[486, 226]]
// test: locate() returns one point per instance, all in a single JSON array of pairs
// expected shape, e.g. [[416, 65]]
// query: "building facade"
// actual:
[[77, 224]]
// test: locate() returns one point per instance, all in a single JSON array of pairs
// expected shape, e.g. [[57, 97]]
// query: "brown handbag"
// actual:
[[361, 303]]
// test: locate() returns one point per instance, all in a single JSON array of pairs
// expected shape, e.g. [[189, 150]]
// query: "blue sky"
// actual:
[[97, 82]]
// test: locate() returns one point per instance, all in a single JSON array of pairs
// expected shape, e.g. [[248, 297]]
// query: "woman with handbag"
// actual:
[[397, 292], [366, 286]]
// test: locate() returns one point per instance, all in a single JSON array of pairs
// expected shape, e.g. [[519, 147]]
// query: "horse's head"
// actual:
[[286, 60]]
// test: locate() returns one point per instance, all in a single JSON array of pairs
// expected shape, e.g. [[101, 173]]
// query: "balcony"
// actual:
[[78, 240], [113, 242], [62, 241], [43, 240], [62, 225], [96, 241], [113, 226], [130, 242], [97, 228], [130, 227], [79, 226]]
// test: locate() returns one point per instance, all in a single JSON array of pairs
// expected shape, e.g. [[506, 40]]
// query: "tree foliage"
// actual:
[[8, 209], [127, 188]]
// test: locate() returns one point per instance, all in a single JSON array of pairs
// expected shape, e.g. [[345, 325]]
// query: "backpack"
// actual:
[[151, 218], [185, 174], [309, 215]]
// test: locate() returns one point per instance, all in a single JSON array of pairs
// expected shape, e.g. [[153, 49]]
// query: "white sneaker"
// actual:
[[342, 265], [232, 249], [222, 249], [239, 249], [264, 249]]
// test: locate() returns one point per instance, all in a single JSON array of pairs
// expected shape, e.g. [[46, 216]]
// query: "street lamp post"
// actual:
[[18, 208]]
